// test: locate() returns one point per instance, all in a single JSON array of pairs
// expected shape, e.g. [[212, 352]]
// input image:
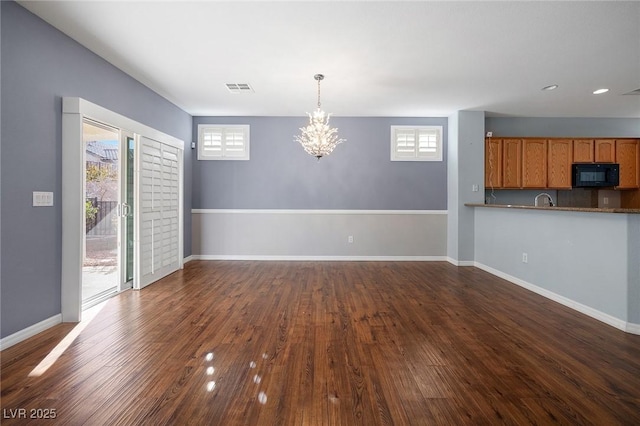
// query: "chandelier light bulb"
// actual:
[[318, 138]]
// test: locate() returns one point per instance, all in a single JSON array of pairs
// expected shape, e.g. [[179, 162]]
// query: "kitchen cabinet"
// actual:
[[583, 151], [559, 159], [518, 163], [493, 163], [534, 163], [627, 151], [605, 151], [511, 163]]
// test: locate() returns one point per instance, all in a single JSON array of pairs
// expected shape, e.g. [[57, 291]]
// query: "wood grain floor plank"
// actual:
[[329, 343]]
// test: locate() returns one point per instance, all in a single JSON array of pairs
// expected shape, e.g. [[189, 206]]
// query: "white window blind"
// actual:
[[224, 142], [409, 143]]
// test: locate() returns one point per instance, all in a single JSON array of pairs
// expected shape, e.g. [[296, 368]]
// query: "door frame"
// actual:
[[74, 111]]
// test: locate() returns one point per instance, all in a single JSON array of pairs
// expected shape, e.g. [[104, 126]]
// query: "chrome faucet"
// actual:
[[543, 194]]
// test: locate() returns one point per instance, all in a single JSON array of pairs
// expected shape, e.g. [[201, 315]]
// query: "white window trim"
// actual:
[[438, 156], [224, 128]]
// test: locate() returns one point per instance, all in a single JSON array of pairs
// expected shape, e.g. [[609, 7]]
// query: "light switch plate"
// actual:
[[42, 199]]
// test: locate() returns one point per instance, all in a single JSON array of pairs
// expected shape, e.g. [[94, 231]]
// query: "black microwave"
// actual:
[[589, 175]]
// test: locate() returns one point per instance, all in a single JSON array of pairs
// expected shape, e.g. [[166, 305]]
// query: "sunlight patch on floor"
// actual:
[[87, 316]]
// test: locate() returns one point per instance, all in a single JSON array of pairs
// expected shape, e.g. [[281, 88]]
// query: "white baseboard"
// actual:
[[633, 328], [460, 262], [187, 259], [316, 212], [587, 310], [323, 258], [29, 331]]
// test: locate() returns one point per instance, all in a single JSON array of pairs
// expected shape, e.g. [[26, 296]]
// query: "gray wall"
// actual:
[[466, 160], [571, 271], [633, 250], [319, 234], [584, 257], [564, 127], [357, 175], [40, 65]]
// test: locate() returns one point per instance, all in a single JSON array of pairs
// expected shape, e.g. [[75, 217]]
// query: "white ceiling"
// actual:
[[397, 58]]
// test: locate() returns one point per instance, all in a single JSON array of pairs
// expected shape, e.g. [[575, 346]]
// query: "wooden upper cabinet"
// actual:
[[534, 163], [583, 151], [546, 163], [492, 163], [559, 159], [511, 163], [605, 151], [627, 156]]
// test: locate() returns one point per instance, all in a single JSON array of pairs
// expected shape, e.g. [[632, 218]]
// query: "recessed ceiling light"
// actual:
[[552, 87], [600, 91]]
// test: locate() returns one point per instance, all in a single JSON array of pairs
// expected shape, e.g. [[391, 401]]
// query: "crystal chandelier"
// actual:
[[317, 138]]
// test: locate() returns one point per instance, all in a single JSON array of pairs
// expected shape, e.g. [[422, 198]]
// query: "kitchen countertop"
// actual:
[[567, 209]]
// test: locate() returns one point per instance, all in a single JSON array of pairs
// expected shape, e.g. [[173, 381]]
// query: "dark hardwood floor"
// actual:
[[328, 343]]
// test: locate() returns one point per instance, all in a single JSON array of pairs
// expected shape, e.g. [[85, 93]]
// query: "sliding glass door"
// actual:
[[107, 265], [121, 205], [128, 231]]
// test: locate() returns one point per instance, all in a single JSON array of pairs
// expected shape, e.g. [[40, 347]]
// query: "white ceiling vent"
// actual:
[[239, 87], [634, 92]]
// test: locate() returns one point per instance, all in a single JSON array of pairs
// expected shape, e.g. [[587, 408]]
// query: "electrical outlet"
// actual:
[[605, 200], [475, 188], [350, 239], [525, 258]]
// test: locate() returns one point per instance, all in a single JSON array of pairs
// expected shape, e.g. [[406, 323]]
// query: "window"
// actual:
[[410, 143], [223, 142]]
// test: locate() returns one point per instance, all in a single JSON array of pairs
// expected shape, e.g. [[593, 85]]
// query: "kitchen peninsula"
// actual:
[[584, 258], [558, 208]]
